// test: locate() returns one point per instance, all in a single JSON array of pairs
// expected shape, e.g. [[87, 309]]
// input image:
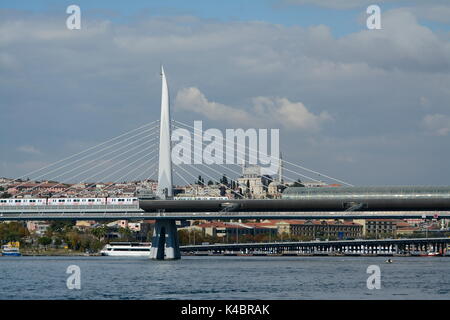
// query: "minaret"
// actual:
[[165, 158], [280, 170]]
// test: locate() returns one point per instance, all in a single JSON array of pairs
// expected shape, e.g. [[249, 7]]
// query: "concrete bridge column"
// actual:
[[165, 245]]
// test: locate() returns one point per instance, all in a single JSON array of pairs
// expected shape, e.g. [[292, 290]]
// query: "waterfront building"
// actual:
[[37, 227], [85, 224], [231, 229], [377, 227]]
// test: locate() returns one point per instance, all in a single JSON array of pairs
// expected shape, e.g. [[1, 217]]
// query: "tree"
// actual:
[[266, 179], [13, 231], [57, 242], [222, 191], [210, 183], [298, 183], [183, 237], [125, 234], [45, 241], [100, 232], [200, 181], [73, 240], [224, 180]]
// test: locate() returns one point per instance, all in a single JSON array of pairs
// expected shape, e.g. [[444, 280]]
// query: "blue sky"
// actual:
[[341, 21], [370, 107]]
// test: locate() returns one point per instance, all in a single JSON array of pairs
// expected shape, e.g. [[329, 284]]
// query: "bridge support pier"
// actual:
[[165, 245]]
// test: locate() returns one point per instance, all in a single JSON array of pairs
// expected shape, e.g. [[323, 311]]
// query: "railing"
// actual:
[[130, 211], [317, 243], [65, 207]]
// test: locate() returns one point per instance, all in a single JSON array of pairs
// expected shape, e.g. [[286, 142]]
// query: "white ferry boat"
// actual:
[[8, 250], [126, 249]]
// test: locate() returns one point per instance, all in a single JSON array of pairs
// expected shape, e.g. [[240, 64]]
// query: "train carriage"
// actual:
[[122, 201], [76, 201], [23, 202], [68, 201], [8, 202]]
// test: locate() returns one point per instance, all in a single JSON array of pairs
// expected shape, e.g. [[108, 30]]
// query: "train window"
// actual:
[[61, 200], [90, 200], [3, 201], [18, 201], [76, 200]]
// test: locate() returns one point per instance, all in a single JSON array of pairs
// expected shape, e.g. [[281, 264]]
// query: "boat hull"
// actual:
[[11, 254], [125, 254]]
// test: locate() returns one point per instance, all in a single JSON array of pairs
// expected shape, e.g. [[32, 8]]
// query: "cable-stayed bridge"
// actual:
[[133, 212], [134, 156]]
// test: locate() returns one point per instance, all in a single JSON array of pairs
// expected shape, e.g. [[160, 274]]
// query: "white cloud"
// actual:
[[264, 111], [28, 149], [293, 115], [437, 124], [345, 158], [438, 13], [340, 4], [402, 44], [425, 102], [104, 79], [191, 99]]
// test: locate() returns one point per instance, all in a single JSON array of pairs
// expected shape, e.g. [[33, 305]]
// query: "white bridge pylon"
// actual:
[[165, 182], [165, 243]]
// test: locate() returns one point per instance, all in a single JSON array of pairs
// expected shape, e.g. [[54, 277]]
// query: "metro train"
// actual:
[[68, 201], [85, 201]]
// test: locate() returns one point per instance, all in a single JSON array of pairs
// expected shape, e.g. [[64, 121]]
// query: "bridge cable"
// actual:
[[211, 178], [86, 150], [141, 174], [109, 167], [239, 174], [269, 178], [96, 159], [138, 167], [301, 167], [87, 156]]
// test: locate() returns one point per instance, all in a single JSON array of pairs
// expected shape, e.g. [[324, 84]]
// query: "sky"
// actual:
[[370, 107]]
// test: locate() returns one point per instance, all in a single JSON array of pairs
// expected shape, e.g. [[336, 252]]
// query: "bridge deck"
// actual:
[[134, 212], [238, 246]]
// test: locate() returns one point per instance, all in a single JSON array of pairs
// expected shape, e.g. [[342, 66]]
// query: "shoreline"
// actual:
[[80, 254], [309, 255]]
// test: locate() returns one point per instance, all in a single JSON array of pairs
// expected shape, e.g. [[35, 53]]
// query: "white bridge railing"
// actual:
[[71, 207]]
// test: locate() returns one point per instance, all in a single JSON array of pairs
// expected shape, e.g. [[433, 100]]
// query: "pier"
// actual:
[[379, 247]]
